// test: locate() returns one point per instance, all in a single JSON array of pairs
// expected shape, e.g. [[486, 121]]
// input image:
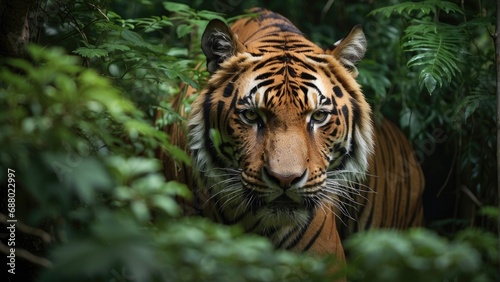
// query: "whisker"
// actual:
[[228, 189], [232, 193]]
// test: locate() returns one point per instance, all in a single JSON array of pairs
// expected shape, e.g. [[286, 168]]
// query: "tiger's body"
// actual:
[[282, 138]]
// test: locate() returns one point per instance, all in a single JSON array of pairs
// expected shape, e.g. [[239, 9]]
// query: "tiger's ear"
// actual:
[[350, 50], [219, 43]]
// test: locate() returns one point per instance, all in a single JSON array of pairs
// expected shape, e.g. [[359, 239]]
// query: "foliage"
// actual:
[[438, 46], [194, 250], [113, 216], [419, 255], [449, 49], [79, 136]]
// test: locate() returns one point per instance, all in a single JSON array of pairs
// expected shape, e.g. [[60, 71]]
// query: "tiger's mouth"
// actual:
[[294, 203], [261, 195]]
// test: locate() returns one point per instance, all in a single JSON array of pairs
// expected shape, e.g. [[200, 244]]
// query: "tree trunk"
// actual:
[[497, 55], [18, 22]]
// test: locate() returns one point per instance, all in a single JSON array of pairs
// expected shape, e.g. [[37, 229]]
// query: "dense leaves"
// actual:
[[432, 258], [438, 47]]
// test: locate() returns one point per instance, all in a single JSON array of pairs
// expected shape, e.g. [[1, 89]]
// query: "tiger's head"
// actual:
[[281, 128]]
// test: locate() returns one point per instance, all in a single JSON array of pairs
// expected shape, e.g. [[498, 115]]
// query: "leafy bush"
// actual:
[[416, 255], [74, 142], [84, 157], [447, 82]]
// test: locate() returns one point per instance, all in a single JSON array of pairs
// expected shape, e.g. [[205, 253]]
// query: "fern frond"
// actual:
[[439, 48], [424, 7], [91, 52]]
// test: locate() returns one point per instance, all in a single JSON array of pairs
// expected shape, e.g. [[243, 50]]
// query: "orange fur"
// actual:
[[248, 128]]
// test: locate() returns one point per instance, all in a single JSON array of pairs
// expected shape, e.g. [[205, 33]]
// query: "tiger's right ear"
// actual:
[[219, 43], [350, 50]]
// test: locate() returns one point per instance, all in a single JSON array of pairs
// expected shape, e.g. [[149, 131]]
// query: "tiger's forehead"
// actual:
[[287, 83]]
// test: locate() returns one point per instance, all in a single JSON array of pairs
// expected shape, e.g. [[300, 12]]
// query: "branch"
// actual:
[[28, 229], [22, 252]]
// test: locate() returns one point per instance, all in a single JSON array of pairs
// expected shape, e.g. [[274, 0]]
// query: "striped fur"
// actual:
[[397, 182], [281, 137]]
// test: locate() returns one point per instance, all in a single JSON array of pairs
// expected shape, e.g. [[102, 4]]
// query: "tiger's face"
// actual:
[[277, 134]]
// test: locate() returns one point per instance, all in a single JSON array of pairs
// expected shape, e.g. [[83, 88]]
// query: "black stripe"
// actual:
[[228, 91], [220, 108], [265, 62], [287, 236], [263, 76], [207, 108], [317, 59], [227, 126], [313, 86], [301, 232], [304, 89], [355, 111], [298, 46], [338, 92], [265, 83], [316, 235], [307, 76], [273, 40], [345, 113]]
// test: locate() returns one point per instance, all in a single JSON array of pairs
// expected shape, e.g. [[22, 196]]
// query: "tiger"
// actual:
[[283, 142]]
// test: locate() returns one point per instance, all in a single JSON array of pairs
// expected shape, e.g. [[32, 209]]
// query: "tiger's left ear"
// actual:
[[219, 43], [350, 50]]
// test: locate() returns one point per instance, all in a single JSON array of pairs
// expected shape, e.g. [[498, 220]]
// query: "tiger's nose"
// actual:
[[284, 180]]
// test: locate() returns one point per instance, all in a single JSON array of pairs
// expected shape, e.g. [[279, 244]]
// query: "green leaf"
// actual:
[[175, 188], [209, 15], [85, 176], [424, 7], [438, 48], [373, 76], [134, 166], [188, 80], [429, 81], [176, 7], [183, 30], [178, 52], [177, 153], [411, 119], [140, 210], [490, 211], [216, 139], [470, 109], [167, 204], [91, 52], [469, 104], [133, 37], [113, 47]]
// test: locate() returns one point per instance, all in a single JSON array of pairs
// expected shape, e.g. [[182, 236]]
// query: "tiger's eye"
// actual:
[[319, 116], [250, 116]]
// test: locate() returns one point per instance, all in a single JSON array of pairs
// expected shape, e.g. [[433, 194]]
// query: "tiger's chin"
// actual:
[[261, 212], [276, 215], [281, 209]]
